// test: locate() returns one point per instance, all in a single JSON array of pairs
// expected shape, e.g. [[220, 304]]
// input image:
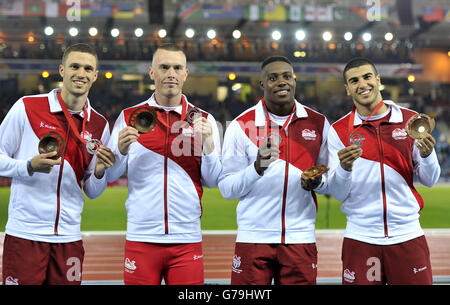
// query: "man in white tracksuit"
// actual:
[[167, 169], [265, 151], [374, 162], [43, 240]]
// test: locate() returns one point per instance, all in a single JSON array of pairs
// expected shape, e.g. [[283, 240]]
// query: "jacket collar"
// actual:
[[260, 113], [56, 107], [395, 117], [179, 109]]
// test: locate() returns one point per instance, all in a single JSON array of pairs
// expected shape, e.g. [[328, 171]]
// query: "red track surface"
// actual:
[[104, 255]]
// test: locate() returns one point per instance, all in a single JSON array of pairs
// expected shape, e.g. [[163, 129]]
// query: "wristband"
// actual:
[[30, 168]]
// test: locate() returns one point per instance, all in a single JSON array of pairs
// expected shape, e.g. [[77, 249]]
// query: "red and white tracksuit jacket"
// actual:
[[274, 208], [47, 207], [166, 172], [378, 195]]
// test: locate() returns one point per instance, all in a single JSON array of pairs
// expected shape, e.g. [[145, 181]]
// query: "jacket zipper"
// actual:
[[58, 188], [283, 207], [166, 141], [383, 187]]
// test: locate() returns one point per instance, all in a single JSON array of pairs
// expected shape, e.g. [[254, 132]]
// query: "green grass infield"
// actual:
[[107, 212]]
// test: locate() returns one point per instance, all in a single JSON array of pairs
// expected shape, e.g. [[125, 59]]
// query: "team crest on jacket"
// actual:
[[356, 139], [309, 135], [86, 135], [399, 134]]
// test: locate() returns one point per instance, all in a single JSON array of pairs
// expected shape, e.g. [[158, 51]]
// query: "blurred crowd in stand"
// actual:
[[217, 50]]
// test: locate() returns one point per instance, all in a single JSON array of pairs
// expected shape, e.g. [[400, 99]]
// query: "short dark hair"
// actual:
[[358, 62], [80, 47], [170, 47], [274, 58]]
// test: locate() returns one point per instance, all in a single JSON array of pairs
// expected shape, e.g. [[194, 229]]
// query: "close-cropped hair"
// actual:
[[170, 47], [80, 47], [274, 58], [358, 62]]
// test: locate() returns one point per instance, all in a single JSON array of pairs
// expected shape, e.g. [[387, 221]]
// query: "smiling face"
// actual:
[[169, 72], [79, 72], [363, 85], [278, 83]]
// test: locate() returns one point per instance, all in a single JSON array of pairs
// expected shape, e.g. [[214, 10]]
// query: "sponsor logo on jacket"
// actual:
[[399, 134], [309, 135], [45, 125], [86, 135], [188, 131]]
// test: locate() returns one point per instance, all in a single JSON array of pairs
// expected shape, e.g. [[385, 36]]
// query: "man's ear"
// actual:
[[96, 76], [261, 84], [346, 89], [150, 72], [61, 70]]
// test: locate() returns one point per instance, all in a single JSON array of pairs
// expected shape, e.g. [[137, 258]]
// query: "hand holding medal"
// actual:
[[312, 177]]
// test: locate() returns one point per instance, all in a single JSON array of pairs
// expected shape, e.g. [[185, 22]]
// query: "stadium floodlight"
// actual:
[[211, 34], [93, 31], [367, 36], [388, 36], [73, 31], [237, 34], [327, 36], [189, 32], [300, 35], [48, 30], [115, 32], [276, 35], [348, 36], [162, 33], [138, 32]]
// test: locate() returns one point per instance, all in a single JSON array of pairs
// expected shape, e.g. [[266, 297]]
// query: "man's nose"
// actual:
[[81, 73], [171, 72]]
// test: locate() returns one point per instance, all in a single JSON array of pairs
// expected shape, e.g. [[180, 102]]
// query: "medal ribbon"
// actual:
[[184, 107], [351, 129], [69, 119], [268, 118]]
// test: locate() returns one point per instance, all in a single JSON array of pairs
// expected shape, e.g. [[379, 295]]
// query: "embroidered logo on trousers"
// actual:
[[236, 264], [11, 281], [349, 276], [130, 265]]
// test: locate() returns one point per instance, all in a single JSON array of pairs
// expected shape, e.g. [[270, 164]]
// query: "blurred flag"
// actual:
[[101, 10], [254, 12], [34, 9], [447, 15], [431, 14], [123, 10], [51, 9], [295, 13], [318, 13], [275, 13], [189, 10], [10, 8]]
